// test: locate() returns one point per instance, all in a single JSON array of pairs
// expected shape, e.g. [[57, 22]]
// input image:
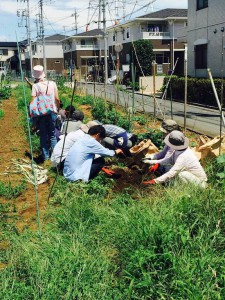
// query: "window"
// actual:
[[123, 33], [201, 56], [202, 4], [83, 42], [114, 37], [127, 58], [57, 62], [3, 51], [128, 33]]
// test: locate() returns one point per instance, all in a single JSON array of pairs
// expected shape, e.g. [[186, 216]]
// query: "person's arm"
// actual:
[[97, 148], [28, 81], [57, 101], [33, 93], [164, 161], [177, 167]]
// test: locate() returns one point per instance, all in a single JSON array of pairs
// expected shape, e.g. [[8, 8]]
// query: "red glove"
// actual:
[[150, 182], [108, 171], [154, 168]]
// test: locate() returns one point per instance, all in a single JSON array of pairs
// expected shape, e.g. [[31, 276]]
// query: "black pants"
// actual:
[[96, 167]]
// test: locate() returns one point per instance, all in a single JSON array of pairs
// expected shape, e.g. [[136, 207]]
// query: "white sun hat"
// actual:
[[38, 72]]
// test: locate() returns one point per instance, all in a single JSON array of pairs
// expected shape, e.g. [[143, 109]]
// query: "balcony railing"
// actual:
[[83, 47]]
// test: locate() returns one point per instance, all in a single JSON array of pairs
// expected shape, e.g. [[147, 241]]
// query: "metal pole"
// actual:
[[216, 96], [185, 87], [221, 96], [105, 41], [154, 98], [133, 84], [28, 35]]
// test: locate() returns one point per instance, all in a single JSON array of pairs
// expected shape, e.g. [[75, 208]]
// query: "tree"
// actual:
[[143, 57]]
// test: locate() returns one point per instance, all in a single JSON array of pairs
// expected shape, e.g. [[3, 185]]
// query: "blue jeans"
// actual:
[[46, 125]]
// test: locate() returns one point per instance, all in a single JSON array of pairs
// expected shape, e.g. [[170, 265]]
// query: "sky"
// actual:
[[59, 15]]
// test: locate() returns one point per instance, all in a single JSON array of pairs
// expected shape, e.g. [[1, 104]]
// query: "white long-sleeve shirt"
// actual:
[[71, 138], [181, 161]]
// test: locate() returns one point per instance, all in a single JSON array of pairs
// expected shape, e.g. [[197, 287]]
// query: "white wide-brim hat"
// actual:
[[38, 72], [176, 140]]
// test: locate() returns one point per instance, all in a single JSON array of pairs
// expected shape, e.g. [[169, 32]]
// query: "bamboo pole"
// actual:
[[216, 96]]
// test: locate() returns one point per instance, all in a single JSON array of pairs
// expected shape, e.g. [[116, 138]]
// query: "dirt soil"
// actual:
[[15, 146]]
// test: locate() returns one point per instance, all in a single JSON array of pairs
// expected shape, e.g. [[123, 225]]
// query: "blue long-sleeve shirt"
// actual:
[[80, 156]]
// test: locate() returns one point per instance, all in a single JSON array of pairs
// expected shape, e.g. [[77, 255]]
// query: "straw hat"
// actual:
[[38, 72], [176, 140], [85, 127]]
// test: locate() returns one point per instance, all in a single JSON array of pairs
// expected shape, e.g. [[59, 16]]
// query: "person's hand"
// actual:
[[119, 151], [154, 168], [149, 161], [149, 182], [150, 156]]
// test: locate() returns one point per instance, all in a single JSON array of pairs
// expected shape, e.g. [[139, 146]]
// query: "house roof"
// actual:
[[55, 37], [166, 13], [8, 44], [91, 33]]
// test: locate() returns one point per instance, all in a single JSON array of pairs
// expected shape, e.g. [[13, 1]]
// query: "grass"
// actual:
[[10, 192], [102, 245], [144, 243]]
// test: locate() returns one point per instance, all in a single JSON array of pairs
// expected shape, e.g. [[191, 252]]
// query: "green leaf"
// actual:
[[221, 159], [221, 175]]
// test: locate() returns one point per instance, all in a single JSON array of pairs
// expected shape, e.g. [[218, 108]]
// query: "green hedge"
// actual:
[[199, 90]]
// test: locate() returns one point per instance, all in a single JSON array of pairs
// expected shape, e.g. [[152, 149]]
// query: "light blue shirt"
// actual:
[[80, 156]]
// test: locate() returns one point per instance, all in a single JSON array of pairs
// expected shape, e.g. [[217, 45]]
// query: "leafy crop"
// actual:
[[1, 113], [156, 136]]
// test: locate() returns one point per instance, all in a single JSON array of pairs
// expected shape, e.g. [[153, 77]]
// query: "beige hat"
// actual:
[[38, 72], [85, 127], [176, 140], [169, 125]]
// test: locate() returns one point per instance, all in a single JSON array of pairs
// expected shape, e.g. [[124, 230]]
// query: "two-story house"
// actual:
[[206, 37], [9, 60], [84, 51], [161, 27], [53, 53]]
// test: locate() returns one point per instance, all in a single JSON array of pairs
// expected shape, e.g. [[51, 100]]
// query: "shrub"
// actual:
[[199, 90]]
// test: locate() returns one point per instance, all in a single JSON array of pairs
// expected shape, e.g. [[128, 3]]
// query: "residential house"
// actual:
[[84, 51], [53, 54], [161, 28], [206, 37], [9, 60]]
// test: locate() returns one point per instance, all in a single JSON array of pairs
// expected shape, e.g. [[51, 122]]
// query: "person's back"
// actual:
[[46, 122], [80, 162], [73, 123], [48, 88], [70, 139]]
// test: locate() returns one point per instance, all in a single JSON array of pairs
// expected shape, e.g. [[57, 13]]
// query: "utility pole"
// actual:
[[26, 14], [42, 35], [28, 35], [99, 14], [75, 15]]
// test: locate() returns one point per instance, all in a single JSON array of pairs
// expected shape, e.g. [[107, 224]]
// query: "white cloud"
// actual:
[[3, 38]]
